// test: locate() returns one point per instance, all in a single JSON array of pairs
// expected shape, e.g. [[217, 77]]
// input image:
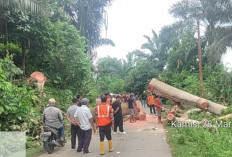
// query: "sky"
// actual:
[[129, 20]]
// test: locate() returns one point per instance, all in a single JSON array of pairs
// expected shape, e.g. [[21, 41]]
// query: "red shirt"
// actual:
[[158, 105]]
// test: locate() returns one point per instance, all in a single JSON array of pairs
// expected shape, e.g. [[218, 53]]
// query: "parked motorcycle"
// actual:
[[51, 139]]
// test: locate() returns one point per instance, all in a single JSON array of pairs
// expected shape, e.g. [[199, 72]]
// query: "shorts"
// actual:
[[132, 112], [105, 131], [158, 112]]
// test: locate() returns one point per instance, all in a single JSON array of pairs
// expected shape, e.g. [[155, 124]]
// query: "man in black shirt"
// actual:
[[118, 118]]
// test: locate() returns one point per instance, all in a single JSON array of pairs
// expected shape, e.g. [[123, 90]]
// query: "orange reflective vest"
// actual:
[[151, 100], [103, 115]]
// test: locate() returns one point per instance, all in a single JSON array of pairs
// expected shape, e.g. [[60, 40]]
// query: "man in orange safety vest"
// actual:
[[104, 117]]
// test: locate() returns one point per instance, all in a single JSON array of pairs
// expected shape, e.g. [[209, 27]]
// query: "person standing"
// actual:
[[108, 99], [131, 106], [104, 119], [151, 102], [144, 99], [75, 129], [113, 99], [98, 101], [84, 119], [118, 118], [158, 109], [79, 98]]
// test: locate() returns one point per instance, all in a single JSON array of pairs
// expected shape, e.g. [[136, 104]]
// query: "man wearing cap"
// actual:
[[84, 119], [52, 117]]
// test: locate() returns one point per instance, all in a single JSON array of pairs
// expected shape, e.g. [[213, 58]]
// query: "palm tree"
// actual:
[[89, 18], [216, 15], [23, 5], [155, 56]]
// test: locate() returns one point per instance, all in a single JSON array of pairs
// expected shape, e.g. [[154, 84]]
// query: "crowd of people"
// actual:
[[108, 116]]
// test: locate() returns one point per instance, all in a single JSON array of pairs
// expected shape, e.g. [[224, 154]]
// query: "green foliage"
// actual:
[[183, 55], [27, 5], [200, 142], [65, 62], [217, 82], [216, 15], [91, 17], [185, 80], [202, 115], [16, 105], [227, 111], [10, 69], [112, 84], [138, 78], [111, 66], [157, 56]]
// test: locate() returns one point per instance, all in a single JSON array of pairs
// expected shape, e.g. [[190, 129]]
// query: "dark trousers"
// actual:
[[118, 122], [75, 131], [85, 138], [105, 131], [152, 107]]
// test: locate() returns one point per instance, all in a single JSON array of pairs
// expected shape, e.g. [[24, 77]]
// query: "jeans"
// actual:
[[62, 131], [144, 103]]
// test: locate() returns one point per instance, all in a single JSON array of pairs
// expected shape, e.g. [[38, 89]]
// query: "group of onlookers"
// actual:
[[148, 99], [107, 116]]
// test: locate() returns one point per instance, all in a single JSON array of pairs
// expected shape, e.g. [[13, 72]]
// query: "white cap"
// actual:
[[52, 100]]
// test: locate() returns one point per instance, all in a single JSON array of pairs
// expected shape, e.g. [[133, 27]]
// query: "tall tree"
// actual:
[[138, 78], [17, 14], [212, 13], [88, 17], [156, 57], [216, 15]]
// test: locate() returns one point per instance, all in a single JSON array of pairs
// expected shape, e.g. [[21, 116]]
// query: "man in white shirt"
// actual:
[[84, 119]]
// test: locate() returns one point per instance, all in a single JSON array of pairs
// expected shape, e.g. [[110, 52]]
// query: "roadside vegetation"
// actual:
[[50, 38]]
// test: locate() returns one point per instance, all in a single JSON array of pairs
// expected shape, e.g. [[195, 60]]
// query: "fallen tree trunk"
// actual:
[[178, 96]]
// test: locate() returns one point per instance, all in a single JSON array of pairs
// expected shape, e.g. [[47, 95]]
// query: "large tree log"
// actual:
[[178, 96], [125, 110]]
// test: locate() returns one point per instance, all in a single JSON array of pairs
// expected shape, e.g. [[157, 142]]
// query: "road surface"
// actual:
[[143, 139]]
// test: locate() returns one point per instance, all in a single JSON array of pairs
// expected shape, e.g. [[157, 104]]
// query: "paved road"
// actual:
[[143, 139]]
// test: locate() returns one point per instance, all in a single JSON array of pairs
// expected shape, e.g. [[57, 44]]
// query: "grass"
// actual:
[[200, 142], [31, 152]]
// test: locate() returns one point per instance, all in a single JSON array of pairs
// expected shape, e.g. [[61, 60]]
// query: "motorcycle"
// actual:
[[51, 139]]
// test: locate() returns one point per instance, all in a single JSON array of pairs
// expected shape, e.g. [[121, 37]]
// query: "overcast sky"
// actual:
[[129, 20]]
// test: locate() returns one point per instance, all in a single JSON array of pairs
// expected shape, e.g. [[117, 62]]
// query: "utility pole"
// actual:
[[199, 58]]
